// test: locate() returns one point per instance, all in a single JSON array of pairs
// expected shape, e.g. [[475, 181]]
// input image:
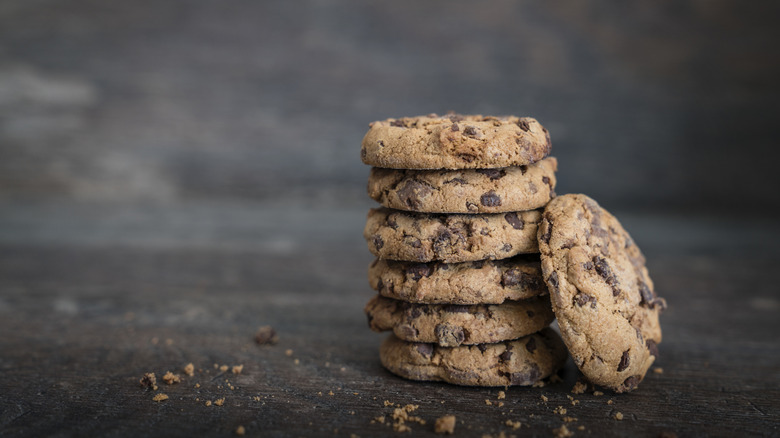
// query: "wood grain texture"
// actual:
[[80, 317]]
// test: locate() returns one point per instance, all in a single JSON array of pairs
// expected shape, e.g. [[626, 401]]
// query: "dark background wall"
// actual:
[[653, 105]]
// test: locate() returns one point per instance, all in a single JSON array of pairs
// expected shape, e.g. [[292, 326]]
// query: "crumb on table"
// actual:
[[160, 397], [189, 369], [266, 335], [445, 425], [170, 378], [149, 380]]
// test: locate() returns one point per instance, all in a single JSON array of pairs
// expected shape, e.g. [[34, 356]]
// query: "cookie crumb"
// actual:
[[160, 397], [538, 384], [560, 410], [579, 388], [569, 419], [445, 425], [563, 432], [288, 352], [573, 401], [580, 427], [388, 403], [208, 403], [297, 361], [380, 419], [618, 416], [500, 404], [240, 431], [501, 395], [609, 402], [197, 385], [223, 368], [149, 380], [487, 402], [266, 335], [544, 399], [330, 393], [219, 401], [170, 378], [513, 424], [597, 393], [237, 369], [658, 370], [189, 369]]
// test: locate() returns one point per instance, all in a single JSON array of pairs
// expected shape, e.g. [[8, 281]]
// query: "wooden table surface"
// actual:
[[175, 174], [94, 296]]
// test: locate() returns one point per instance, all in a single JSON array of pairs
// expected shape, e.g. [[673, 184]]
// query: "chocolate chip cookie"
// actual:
[[524, 361], [450, 325], [601, 292], [455, 142], [451, 238], [480, 282], [465, 191]]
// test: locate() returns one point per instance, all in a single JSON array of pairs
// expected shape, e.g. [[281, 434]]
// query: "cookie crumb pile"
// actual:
[[476, 256], [458, 273]]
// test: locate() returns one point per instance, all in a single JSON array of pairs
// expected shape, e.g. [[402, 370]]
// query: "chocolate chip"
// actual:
[[490, 199], [511, 277], [460, 181], [470, 206], [531, 345], [415, 243], [412, 192], [625, 360], [582, 299], [547, 226], [507, 247], [416, 312], [647, 296], [652, 347], [524, 378], [381, 143], [398, 123], [493, 174], [631, 383], [455, 118], [390, 287], [449, 335], [588, 265], [406, 331], [514, 220], [425, 349], [505, 356], [568, 245], [378, 242], [552, 281], [442, 241], [454, 127], [363, 154], [532, 187], [470, 131], [523, 125], [482, 347], [603, 269], [546, 180], [418, 271], [530, 313], [523, 170], [390, 222], [466, 157]]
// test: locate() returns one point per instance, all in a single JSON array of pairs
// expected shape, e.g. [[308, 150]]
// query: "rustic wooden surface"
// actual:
[[84, 316], [175, 174]]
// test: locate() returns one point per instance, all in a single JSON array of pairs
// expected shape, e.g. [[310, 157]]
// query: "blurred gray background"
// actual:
[[653, 106]]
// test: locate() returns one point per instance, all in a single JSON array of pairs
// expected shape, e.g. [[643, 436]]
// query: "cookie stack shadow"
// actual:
[[458, 274]]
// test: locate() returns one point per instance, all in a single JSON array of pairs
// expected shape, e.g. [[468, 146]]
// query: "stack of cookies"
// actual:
[[458, 271], [476, 257]]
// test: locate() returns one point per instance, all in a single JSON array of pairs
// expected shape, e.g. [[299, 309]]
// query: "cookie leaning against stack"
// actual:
[[458, 270]]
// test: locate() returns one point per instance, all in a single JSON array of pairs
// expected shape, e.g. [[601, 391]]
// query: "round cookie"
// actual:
[[523, 361], [467, 190], [480, 282], [451, 238], [601, 293], [450, 325], [455, 142]]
